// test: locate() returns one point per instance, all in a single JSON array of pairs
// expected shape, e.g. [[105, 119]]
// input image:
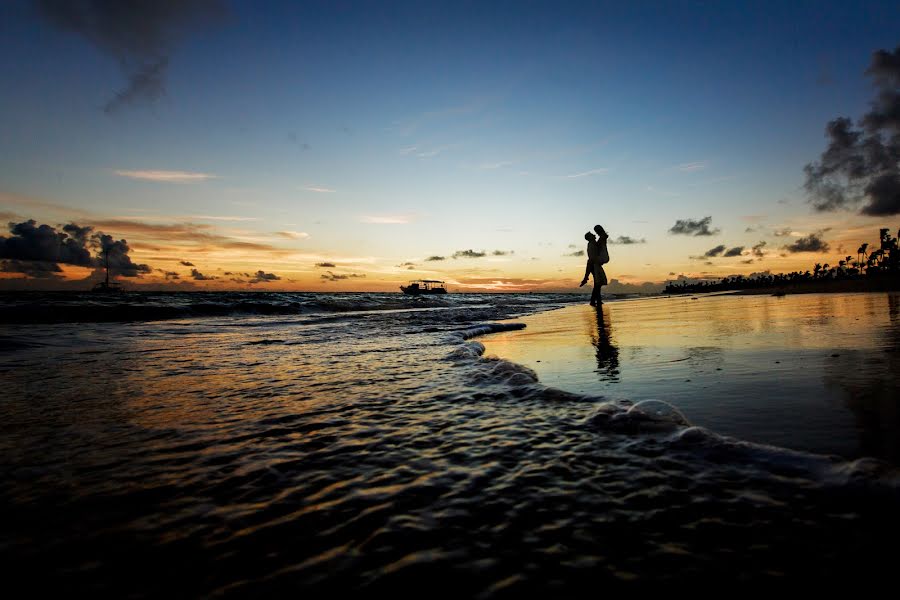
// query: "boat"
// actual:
[[424, 287], [105, 287]]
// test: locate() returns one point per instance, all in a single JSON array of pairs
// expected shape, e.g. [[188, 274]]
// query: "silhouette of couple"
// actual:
[[597, 256]]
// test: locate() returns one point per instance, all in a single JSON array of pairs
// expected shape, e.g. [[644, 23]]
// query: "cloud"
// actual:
[[695, 228], [749, 261], [576, 253], [263, 277], [736, 251], [496, 165], [319, 190], [196, 236], [31, 268], [711, 253], [811, 243], [586, 173], [502, 252], [198, 276], [140, 36], [167, 176], [326, 265], [340, 276], [625, 240], [115, 254], [187, 263], [407, 265], [468, 254], [758, 249], [860, 166], [43, 243], [693, 166], [293, 235], [46, 247], [783, 232], [387, 220], [435, 258]]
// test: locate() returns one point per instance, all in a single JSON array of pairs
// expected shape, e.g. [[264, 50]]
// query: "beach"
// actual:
[[266, 445], [816, 373]]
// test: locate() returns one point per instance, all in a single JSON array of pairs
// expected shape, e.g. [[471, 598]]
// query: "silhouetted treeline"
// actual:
[[877, 270]]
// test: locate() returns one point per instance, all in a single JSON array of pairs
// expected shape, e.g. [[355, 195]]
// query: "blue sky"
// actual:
[[438, 127]]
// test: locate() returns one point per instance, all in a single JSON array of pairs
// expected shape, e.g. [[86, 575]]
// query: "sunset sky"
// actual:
[[341, 146]]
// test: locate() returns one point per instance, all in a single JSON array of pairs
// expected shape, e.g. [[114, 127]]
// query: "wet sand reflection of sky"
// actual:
[[814, 372]]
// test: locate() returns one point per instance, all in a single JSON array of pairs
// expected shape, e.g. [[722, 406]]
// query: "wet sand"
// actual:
[[817, 372]]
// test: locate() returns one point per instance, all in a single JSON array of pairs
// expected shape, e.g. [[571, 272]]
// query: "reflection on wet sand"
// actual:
[[815, 372], [600, 331], [870, 387]]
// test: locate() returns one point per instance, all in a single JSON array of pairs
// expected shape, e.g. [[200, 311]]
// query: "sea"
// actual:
[[283, 444]]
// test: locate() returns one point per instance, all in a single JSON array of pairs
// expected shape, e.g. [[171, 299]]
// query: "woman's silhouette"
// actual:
[[598, 255]]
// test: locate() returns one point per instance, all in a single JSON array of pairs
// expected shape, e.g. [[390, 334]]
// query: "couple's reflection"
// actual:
[[607, 353]]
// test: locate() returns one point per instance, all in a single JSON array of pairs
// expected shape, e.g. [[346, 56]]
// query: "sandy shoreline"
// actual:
[[813, 372]]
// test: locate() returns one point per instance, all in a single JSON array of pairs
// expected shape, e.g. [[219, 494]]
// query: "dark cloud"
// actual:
[[861, 165], [714, 251], [783, 232], [33, 268], [736, 251], [329, 276], [695, 228], [140, 35], [408, 266], [625, 239], [749, 261], [502, 252], [811, 243], [576, 253], [758, 249], [435, 258], [114, 253], [263, 277], [326, 265], [43, 243], [187, 263], [198, 276], [171, 275], [468, 254]]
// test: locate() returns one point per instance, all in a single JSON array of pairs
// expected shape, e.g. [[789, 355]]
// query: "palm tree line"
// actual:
[[881, 265]]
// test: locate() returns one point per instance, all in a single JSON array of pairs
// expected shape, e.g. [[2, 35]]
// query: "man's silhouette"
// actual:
[[597, 256]]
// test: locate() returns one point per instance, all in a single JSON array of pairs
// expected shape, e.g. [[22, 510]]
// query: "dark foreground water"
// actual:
[[288, 444]]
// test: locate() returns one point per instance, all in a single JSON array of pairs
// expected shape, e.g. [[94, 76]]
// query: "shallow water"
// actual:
[[813, 372], [326, 450]]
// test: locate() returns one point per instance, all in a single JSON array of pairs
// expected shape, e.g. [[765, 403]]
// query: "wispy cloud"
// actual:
[[693, 166], [387, 219], [293, 235], [408, 149], [586, 173], [319, 190], [223, 218], [167, 176], [496, 165], [432, 152]]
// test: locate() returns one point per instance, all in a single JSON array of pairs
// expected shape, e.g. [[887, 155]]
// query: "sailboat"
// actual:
[[105, 287]]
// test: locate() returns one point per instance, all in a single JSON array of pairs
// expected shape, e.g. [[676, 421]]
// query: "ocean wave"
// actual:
[[37, 308]]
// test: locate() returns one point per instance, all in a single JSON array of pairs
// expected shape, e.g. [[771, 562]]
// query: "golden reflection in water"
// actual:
[[599, 329]]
